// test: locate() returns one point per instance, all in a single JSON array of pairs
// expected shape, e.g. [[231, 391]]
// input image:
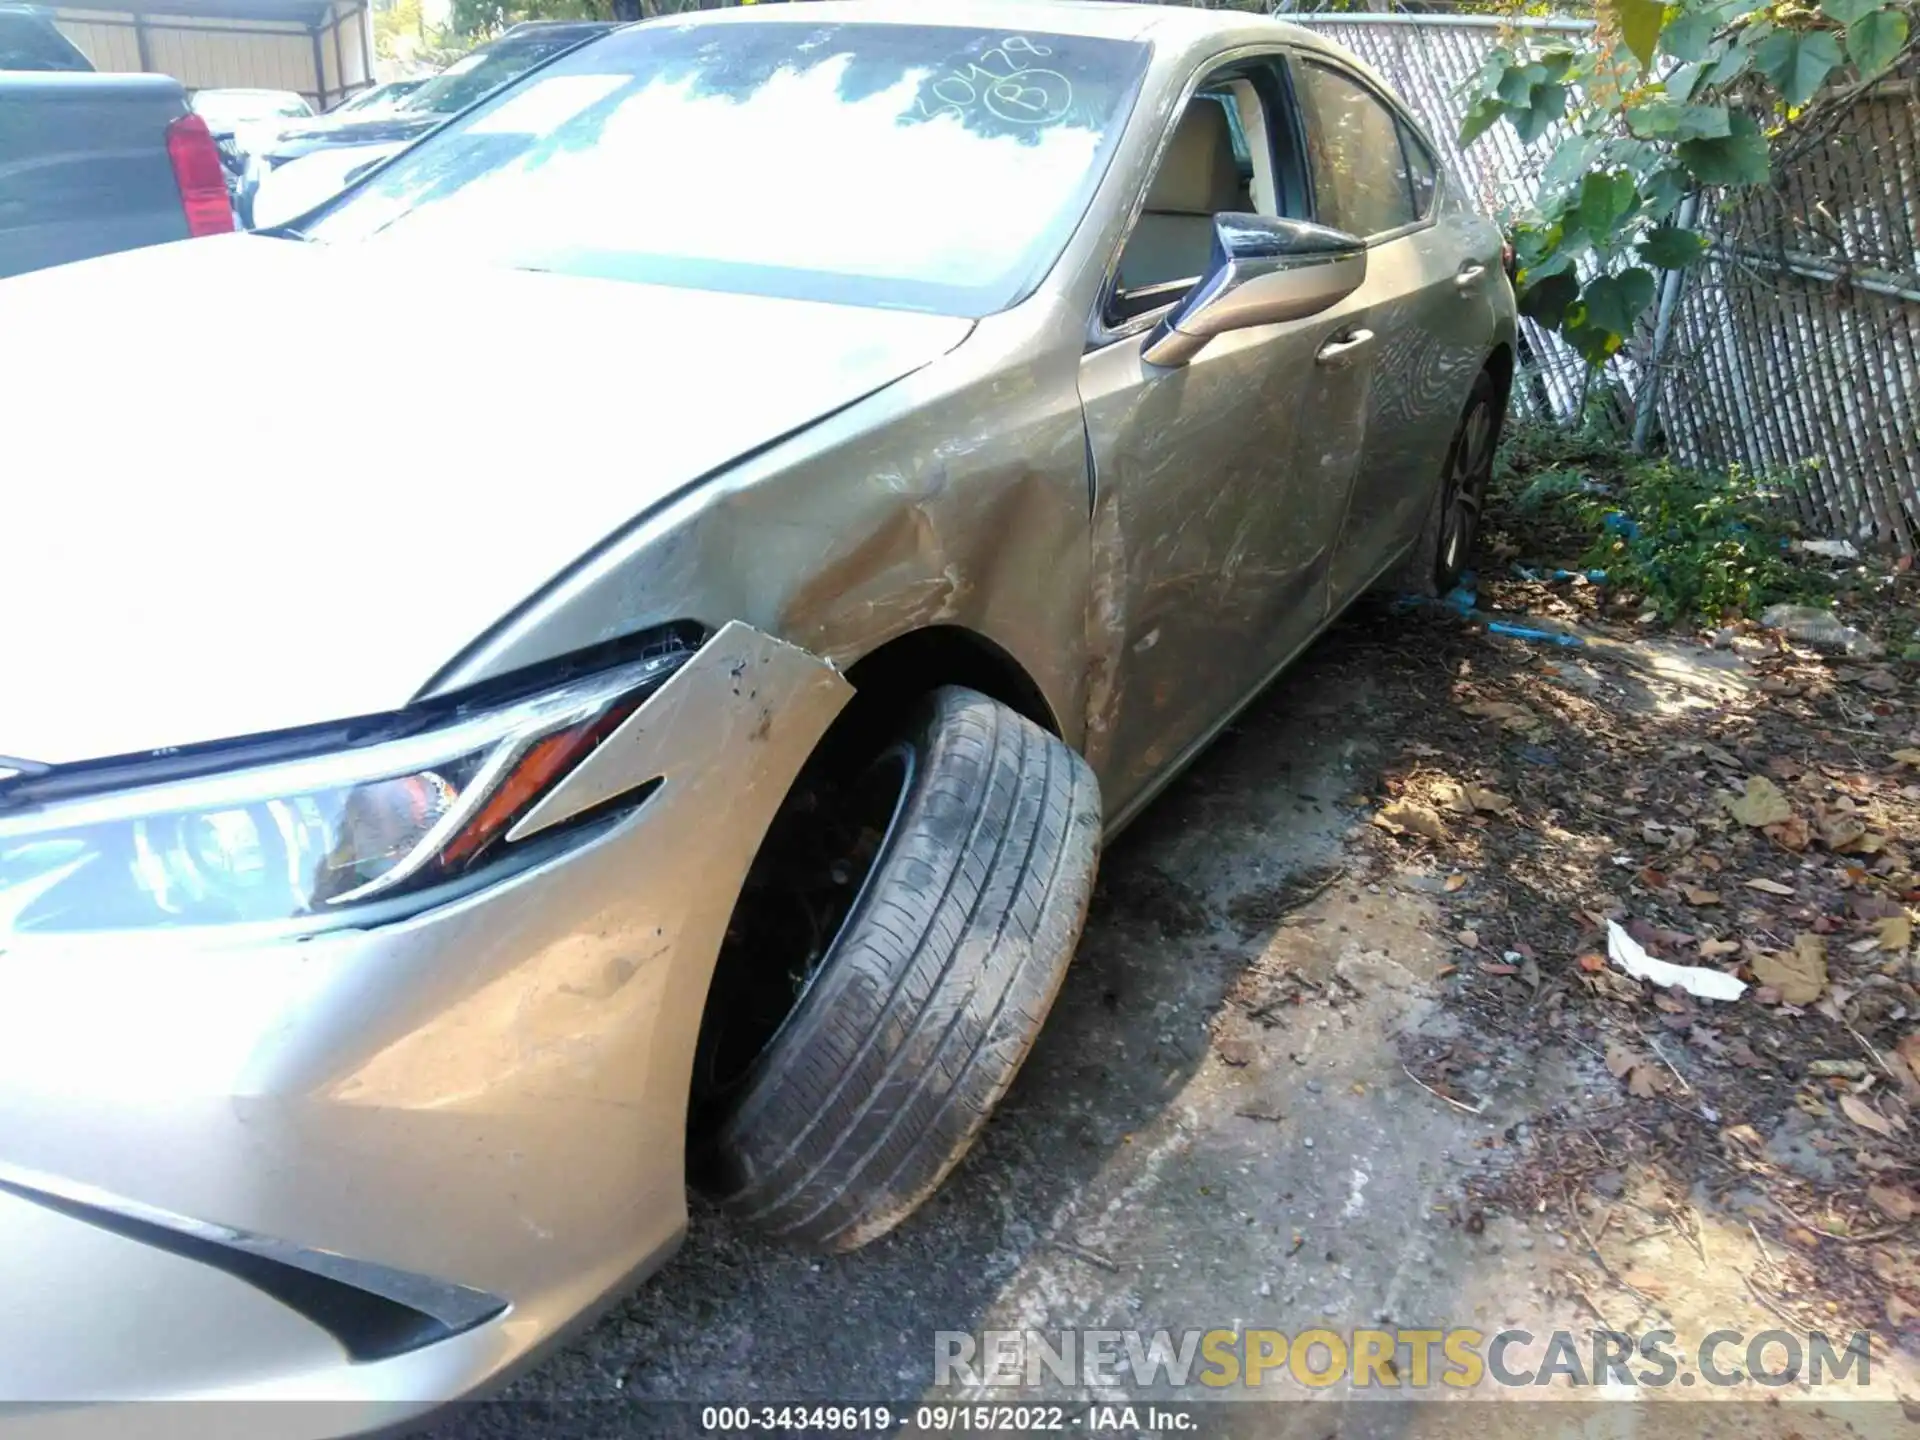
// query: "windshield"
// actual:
[[224, 110], [380, 95], [480, 72], [918, 167]]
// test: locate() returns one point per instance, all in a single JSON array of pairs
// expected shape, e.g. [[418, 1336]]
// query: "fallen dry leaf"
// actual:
[[1761, 804], [1838, 832], [1792, 833], [1491, 801], [1865, 1116], [1907, 757], [1644, 1079], [1841, 1069], [1771, 887], [1503, 710], [1799, 975], [1410, 817], [1909, 1052], [1469, 938], [1896, 1202], [1234, 1050], [1709, 949], [1454, 882], [1593, 963], [1896, 933], [1696, 896]]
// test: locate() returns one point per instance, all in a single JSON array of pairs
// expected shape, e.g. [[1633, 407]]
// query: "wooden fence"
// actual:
[[1794, 350]]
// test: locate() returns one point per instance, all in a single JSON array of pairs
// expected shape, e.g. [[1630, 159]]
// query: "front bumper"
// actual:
[[236, 1171]]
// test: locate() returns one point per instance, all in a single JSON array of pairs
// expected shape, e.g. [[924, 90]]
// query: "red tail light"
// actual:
[[202, 181]]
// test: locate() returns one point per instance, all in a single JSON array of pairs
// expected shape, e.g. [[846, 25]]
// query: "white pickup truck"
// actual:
[[90, 163]]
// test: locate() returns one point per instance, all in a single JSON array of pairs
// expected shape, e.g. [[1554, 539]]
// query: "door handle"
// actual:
[[1468, 275], [1343, 345]]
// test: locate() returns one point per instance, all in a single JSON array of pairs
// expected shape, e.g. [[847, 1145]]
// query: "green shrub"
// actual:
[[1697, 547]]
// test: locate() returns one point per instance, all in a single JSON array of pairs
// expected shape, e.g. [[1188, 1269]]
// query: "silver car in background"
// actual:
[[861, 461]]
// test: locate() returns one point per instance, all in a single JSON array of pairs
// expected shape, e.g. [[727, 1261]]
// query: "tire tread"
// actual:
[[933, 992]]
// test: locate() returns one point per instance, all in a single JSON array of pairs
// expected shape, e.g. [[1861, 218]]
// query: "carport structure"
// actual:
[[321, 48]]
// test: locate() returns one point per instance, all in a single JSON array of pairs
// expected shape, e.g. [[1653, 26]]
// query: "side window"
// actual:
[[1421, 171], [1360, 180], [1219, 159]]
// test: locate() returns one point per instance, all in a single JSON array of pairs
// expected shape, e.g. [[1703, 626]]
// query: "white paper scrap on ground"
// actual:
[[1631, 956]]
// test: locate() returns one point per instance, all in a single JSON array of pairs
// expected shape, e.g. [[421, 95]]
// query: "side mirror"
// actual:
[[1263, 270]]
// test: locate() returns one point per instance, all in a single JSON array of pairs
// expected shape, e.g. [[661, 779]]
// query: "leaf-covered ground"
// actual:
[[1734, 803]]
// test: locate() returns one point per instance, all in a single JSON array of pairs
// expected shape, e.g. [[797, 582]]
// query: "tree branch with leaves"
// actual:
[[1669, 101]]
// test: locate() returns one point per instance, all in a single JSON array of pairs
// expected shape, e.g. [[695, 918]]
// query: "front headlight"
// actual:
[[320, 837]]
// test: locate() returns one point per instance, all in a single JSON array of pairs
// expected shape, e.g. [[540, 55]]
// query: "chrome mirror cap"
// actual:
[[1262, 271]]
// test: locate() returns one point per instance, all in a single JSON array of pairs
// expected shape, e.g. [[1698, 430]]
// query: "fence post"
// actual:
[[1671, 283]]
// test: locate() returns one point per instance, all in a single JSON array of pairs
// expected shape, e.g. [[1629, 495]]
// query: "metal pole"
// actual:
[[1671, 284], [339, 52], [1813, 267]]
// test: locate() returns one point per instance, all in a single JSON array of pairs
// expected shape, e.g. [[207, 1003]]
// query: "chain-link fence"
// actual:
[[1794, 349]]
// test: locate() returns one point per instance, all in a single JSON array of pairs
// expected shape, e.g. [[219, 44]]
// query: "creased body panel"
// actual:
[[1219, 498], [957, 496], [1434, 339]]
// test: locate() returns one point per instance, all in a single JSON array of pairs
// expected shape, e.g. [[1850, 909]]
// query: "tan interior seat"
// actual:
[[1196, 181]]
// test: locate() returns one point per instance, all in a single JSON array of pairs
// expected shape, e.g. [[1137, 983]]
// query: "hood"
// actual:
[[379, 128], [199, 549]]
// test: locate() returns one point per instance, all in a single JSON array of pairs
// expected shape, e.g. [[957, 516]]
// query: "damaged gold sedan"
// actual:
[[865, 461]]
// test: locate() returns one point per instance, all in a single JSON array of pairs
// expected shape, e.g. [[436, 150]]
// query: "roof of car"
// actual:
[[1110, 18]]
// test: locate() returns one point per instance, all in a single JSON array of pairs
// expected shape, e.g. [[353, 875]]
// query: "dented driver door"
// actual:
[[1219, 489]]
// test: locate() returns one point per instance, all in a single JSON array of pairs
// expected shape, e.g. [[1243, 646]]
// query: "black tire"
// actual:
[[1444, 551], [915, 1020]]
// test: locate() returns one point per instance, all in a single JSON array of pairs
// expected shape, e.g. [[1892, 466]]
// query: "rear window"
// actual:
[[29, 43], [479, 73]]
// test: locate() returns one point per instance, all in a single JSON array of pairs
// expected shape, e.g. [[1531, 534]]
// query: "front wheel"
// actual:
[[853, 1049]]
